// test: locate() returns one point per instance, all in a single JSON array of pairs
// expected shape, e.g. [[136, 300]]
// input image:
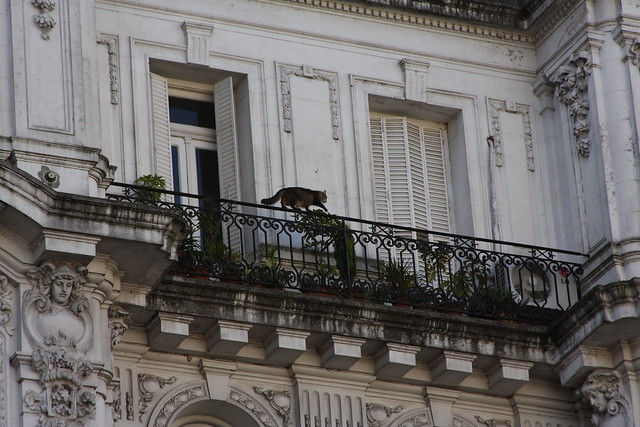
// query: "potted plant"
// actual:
[[152, 181], [397, 279]]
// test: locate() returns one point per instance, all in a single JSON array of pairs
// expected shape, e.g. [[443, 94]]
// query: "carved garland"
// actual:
[[308, 72], [498, 106], [571, 88], [112, 50], [43, 19]]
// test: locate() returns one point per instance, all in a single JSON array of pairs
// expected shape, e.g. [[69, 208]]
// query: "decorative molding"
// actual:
[[118, 318], [280, 400], [177, 401], [43, 19], [460, 422], [253, 406], [198, 41], [571, 86], [308, 72], [423, 19], [551, 21], [149, 385], [602, 390], [49, 177], [415, 79], [634, 51], [6, 312], [112, 50], [378, 415], [493, 422], [496, 107]]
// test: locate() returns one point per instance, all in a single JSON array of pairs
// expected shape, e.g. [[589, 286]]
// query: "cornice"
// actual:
[[424, 18]]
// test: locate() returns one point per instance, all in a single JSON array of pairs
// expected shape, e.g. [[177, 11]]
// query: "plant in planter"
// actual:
[[493, 300], [269, 270], [151, 181], [322, 231], [397, 279]]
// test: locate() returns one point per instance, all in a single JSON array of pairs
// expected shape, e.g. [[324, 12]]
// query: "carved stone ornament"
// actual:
[[112, 50], [43, 19], [634, 51], [280, 400], [492, 422], [378, 415], [177, 401], [602, 391], [118, 317], [60, 326], [496, 107], [248, 403], [149, 385], [571, 87], [417, 420], [308, 72], [49, 177], [6, 297], [116, 409]]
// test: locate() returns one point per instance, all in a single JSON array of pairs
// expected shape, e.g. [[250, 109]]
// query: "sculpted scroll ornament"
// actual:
[[250, 404], [280, 400], [377, 414], [492, 422], [176, 402], [634, 51], [61, 329], [149, 385], [571, 87], [602, 391]]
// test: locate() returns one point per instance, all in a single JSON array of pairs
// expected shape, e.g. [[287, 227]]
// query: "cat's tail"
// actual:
[[272, 200]]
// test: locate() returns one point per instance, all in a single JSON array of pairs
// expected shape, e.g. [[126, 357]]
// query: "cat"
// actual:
[[298, 197]]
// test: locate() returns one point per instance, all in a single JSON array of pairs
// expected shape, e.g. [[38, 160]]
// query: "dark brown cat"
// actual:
[[298, 197]]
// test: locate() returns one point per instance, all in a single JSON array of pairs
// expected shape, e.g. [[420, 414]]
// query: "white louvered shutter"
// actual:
[[226, 139], [161, 134], [409, 173]]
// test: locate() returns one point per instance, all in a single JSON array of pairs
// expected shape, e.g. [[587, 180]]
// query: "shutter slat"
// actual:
[[161, 133]]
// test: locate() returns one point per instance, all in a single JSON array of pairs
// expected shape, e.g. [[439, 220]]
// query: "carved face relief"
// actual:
[[602, 391]]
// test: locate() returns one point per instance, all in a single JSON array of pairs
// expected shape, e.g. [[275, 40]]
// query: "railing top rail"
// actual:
[[345, 218]]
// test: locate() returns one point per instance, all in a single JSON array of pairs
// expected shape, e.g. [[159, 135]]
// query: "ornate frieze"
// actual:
[[602, 391], [116, 409], [43, 19], [149, 385], [112, 50], [118, 318], [571, 89], [378, 415], [280, 400], [496, 107], [308, 72], [129, 406], [418, 420], [59, 325]]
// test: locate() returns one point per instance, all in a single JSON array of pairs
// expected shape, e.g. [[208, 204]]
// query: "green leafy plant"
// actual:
[[397, 273], [151, 181], [322, 231]]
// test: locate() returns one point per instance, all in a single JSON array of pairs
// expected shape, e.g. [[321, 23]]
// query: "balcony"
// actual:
[[316, 253]]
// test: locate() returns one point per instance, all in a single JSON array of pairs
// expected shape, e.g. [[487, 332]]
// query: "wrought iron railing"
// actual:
[[312, 252]]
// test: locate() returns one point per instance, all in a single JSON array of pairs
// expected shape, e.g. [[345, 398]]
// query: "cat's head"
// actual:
[[324, 196]]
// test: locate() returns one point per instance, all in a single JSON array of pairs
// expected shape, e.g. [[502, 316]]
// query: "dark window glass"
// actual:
[[190, 112], [175, 169], [208, 182]]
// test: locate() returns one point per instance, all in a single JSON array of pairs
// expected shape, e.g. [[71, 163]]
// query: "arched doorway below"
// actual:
[[213, 413]]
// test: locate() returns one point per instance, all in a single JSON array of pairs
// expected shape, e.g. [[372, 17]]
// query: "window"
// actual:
[[410, 175], [195, 136]]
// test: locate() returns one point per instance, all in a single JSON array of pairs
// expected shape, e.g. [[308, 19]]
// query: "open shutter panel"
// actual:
[[226, 139], [379, 157], [161, 135], [398, 172], [436, 179]]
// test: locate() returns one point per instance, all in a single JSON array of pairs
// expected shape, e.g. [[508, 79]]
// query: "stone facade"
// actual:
[[540, 105]]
